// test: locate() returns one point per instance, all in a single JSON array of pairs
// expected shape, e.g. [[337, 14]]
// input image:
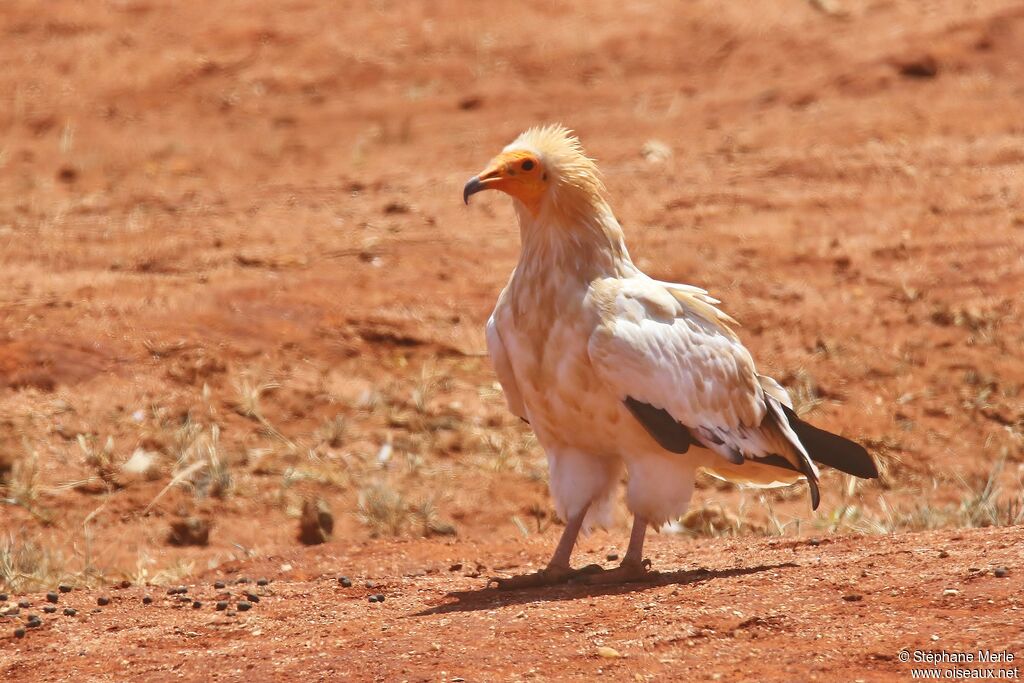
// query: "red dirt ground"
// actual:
[[196, 195]]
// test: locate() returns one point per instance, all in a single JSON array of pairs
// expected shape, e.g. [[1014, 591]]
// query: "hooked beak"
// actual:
[[472, 187], [491, 177]]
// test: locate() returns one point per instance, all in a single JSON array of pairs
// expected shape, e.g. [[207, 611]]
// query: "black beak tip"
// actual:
[[472, 187]]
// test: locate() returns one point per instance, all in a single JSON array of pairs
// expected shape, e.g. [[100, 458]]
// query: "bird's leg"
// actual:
[[633, 568], [558, 569]]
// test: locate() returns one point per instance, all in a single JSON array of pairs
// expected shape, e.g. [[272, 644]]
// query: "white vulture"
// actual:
[[617, 371]]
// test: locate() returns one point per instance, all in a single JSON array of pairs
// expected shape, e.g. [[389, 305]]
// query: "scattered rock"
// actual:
[[219, 585], [1000, 572], [142, 464], [52, 597], [262, 582], [3, 597], [853, 597], [923, 66], [242, 579], [147, 600], [64, 588], [19, 633], [126, 583], [611, 557], [103, 601], [345, 581], [471, 103], [943, 554], [656, 152], [193, 531], [814, 542], [221, 605], [317, 523], [70, 611], [372, 598], [49, 609], [24, 604], [34, 621], [67, 174], [951, 591], [251, 597], [380, 597], [196, 604], [244, 606], [455, 567], [608, 652], [393, 208]]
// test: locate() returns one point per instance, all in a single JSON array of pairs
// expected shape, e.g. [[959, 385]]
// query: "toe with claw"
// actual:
[[549, 576], [627, 572]]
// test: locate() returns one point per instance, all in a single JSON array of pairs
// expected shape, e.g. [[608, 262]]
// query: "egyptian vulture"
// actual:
[[617, 371]]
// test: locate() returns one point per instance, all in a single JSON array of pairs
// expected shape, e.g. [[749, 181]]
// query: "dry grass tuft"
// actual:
[[25, 564]]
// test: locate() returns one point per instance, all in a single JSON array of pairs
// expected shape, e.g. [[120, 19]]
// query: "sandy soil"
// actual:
[[233, 241]]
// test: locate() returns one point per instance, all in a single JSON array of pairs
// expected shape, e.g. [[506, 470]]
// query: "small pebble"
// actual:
[[345, 581], [24, 604], [372, 598], [244, 606], [251, 597], [3, 597], [455, 567], [70, 611], [943, 554], [19, 633], [262, 582], [219, 585], [52, 597], [147, 600], [611, 557], [64, 588], [103, 601], [231, 613], [49, 609], [222, 605], [371, 584], [242, 579], [126, 584], [853, 597], [196, 604], [172, 591], [181, 590], [184, 598], [34, 622], [813, 541], [380, 597], [1000, 572], [951, 591]]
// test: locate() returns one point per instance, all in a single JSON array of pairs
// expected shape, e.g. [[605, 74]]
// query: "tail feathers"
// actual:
[[831, 449], [801, 461]]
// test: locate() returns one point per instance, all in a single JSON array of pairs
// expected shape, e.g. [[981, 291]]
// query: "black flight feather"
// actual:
[[669, 434], [832, 450]]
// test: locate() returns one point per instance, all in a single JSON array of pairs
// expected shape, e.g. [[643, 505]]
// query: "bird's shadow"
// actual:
[[491, 598]]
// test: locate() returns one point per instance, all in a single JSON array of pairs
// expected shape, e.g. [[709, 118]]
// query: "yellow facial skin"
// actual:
[[518, 174]]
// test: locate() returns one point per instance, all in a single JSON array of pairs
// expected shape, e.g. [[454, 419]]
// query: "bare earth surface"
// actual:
[[232, 249]]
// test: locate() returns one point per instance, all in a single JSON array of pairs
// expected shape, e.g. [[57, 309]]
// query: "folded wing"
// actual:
[[668, 352]]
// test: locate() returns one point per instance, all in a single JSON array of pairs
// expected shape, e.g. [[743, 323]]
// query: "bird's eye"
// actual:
[[528, 165]]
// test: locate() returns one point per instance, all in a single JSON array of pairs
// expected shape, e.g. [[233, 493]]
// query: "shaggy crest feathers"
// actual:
[[575, 178]]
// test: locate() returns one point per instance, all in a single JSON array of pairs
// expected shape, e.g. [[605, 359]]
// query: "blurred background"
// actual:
[[238, 282]]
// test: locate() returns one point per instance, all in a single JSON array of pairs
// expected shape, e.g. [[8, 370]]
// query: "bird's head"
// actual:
[[544, 167]]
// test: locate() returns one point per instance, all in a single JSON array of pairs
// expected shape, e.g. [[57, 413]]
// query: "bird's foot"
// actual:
[[632, 572], [549, 576]]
